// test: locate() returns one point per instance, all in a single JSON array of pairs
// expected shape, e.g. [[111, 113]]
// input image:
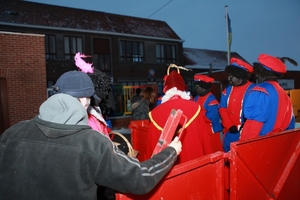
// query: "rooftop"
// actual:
[[16, 12], [202, 58]]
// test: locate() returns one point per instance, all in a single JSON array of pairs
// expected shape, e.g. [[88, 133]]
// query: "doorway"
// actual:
[[4, 118]]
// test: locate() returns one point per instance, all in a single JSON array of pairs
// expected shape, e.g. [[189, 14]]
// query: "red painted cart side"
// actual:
[[263, 168], [139, 134], [266, 167], [201, 178]]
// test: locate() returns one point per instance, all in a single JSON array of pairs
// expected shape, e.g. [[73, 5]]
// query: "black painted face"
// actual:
[[259, 78], [199, 89], [234, 81]]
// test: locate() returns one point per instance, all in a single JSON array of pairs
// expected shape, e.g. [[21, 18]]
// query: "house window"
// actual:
[[101, 54], [50, 47], [132, 51], [72, 46], [165, 53]]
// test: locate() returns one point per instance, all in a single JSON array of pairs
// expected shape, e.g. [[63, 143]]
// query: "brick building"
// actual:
[[123, 47], [22, 77]]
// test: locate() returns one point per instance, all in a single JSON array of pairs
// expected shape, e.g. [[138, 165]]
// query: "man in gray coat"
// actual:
[[56, 155]]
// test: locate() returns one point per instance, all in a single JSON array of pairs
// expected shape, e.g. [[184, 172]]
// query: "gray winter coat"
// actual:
[[57, 156], [140, 110]]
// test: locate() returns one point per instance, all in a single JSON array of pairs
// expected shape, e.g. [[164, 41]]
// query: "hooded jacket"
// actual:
[[57, 155]]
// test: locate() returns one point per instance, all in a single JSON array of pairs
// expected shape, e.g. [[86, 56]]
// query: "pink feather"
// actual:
[[82, 65]]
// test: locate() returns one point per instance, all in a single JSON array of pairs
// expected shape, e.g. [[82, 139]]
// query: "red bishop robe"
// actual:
[[195, 140]]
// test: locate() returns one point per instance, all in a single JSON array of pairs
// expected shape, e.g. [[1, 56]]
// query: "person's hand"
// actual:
[[176, 144], [233, 129]]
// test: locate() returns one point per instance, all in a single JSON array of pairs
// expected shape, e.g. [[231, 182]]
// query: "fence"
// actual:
[[129, 91]]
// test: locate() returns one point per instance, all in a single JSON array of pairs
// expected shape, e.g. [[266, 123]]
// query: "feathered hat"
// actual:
[[204, 78], [239, 68], [203, 81], [272, 63], [101, 81], [81, 64]]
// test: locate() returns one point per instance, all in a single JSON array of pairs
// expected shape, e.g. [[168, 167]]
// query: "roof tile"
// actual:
[[37, 14]]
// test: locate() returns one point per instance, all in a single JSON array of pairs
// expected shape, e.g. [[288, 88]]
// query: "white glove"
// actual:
[[176, 144]]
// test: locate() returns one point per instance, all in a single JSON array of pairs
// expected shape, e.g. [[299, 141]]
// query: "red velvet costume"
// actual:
[[232, 103], [195, 140], [268, 108], [232, 100], [210, 108]]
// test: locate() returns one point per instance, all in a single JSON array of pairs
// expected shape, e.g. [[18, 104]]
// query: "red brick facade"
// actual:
[[23, 75]]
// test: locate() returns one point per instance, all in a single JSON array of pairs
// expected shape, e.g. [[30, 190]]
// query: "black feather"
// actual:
[[284, 59]]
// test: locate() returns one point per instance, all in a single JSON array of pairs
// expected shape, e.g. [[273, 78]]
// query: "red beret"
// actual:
[[242, 64], [204, 78], [174, 79], [272, 63]]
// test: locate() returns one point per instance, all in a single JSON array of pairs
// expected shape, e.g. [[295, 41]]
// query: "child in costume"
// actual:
[[210, 108]]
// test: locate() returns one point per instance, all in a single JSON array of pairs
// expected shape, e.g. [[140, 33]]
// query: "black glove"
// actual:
[[233, 129]]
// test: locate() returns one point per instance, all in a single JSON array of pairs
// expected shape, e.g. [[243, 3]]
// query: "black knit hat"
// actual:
[[74, 83]]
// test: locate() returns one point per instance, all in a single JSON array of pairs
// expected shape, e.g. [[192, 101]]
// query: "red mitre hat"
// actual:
[[241, 64], [272, 63], [174, 79], [204, 78]]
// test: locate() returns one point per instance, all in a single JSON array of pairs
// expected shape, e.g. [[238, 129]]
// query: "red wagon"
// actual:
[[262, 168]]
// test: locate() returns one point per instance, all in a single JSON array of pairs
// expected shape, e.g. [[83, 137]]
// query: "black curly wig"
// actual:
[[238, 72], [259, 69], [102, 83], [203, 84]]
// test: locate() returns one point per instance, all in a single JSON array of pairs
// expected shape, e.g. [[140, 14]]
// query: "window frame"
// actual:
[[72, 45], [50, 51], [166, 53], [101, 54], [132, 51], [102, 62]]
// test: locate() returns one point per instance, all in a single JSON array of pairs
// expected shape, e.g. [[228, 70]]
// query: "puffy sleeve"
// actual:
[[214, 116], [256, 106], [256, 111], [212, 111], [226, 121]]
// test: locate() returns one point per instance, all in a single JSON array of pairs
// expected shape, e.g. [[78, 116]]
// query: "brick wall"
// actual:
[[23, 68]]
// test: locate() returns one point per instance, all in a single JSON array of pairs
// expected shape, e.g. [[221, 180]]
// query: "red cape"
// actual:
[[195, 140]]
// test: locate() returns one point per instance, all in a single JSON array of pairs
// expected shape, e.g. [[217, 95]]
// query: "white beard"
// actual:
[[173, 91]]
